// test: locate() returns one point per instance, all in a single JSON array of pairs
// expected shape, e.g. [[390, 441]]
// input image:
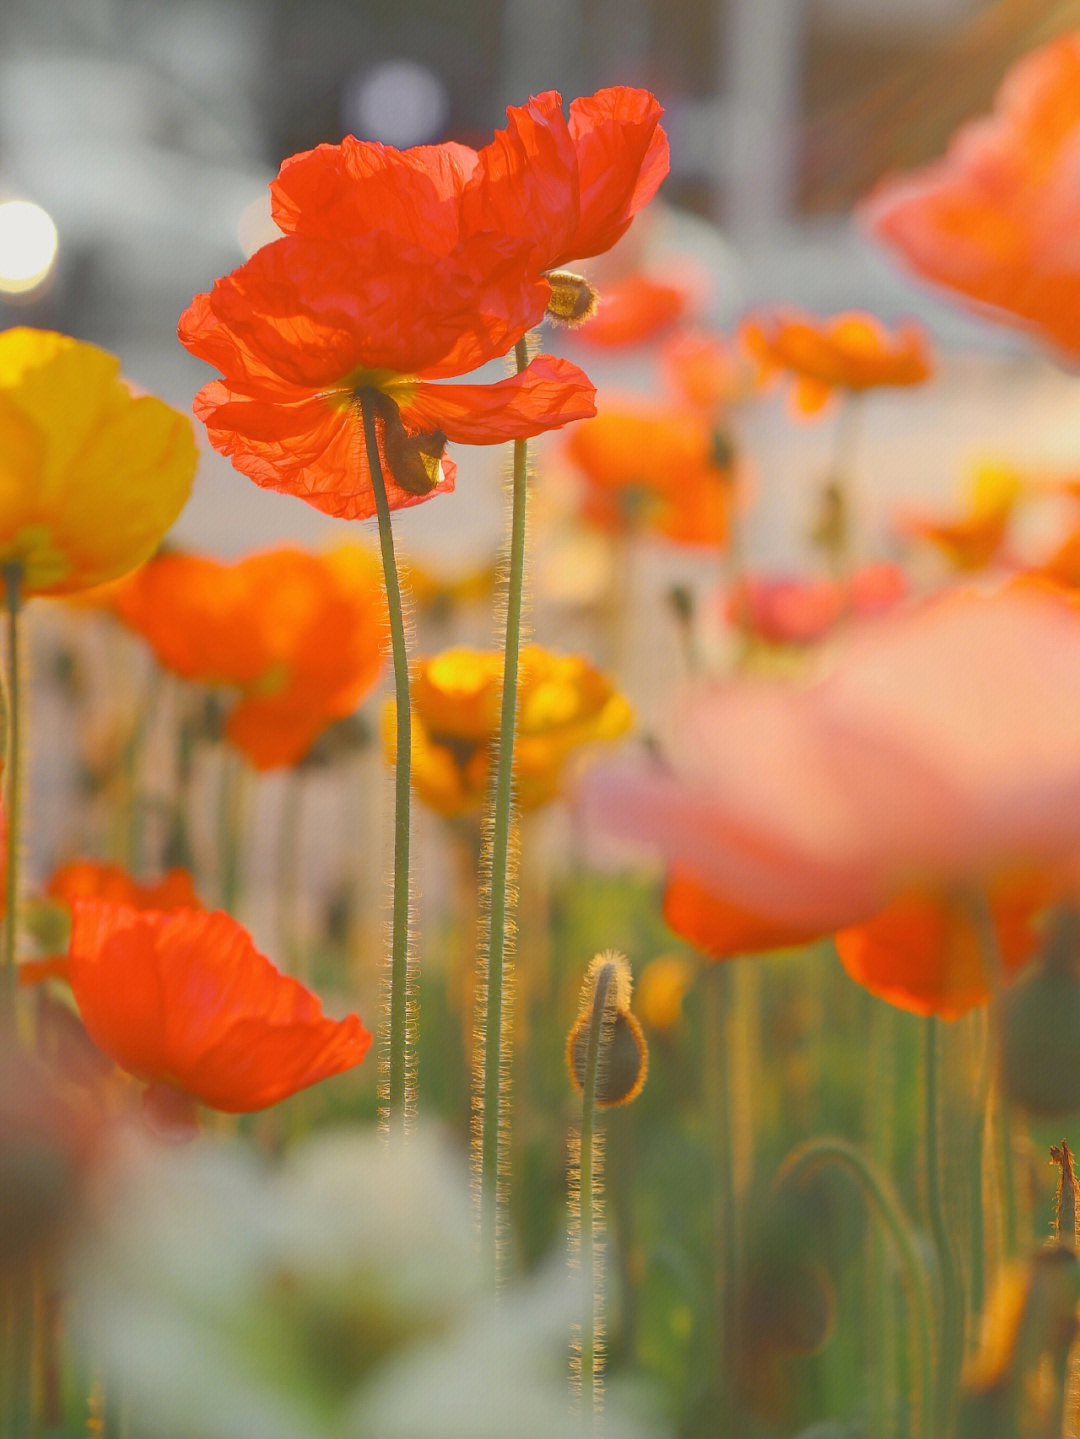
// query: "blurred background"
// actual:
[[137, 138]]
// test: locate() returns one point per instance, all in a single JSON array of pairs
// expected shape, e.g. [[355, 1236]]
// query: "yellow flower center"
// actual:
[[400, 388]]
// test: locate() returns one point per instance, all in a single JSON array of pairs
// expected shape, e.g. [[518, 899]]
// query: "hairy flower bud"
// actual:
[[573, 299]]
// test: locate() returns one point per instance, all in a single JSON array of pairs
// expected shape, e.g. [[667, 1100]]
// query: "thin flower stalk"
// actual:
[[952, 1294], [717, 1001], [13, 600], [494, 1119], [232, 800], [590, 1355], [398, 1100], [996, 1123]]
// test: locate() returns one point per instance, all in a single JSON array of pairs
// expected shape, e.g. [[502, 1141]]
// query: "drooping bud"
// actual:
[[624, 1054], [573, 299]]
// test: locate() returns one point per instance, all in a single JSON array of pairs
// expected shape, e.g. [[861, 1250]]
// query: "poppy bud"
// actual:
[[1039, 1055], [573, 299], [624, 1055]]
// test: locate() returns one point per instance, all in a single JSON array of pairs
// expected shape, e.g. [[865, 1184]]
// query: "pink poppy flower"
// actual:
[[939, 754]]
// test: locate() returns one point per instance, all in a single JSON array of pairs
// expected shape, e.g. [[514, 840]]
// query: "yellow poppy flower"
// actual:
[[563, 703], [91, 476]]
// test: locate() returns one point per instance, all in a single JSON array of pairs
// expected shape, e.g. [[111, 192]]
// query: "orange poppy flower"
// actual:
[[994, 220], [976, 538], [654, 468], [921, 953], [631, 310], [936, 756], [924, 952], [90, 879], [184, 1001], [301, 635], [851, 352], [564, 704], [1063, 566], [400, 269], [707, 372]]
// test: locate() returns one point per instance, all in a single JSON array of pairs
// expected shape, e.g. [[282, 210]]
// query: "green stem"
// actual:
[[884, 1201], [838, 540], [494, 1120], [998, 1112], [590, 1359], [288, 865], [397, 1100], [716, 998], [952, 1299], [12, 585], [230, 804], [976, 1158]]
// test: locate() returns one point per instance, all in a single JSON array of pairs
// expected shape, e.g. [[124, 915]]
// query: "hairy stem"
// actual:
[[397, 1100], [494, 1120]]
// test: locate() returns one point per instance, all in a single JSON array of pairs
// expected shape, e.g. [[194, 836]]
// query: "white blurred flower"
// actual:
[[336, 1295]]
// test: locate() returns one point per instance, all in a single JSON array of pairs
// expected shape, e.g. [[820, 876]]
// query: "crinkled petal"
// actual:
[[526, 183], [186, 998], [312, 450], [622, 158], [414, 195], [549, 393], [304, 313]]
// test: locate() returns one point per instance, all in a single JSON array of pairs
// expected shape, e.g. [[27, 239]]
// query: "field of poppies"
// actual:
[[622, 986]]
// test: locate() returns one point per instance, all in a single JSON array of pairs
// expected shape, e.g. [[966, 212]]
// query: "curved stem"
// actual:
[[397, 1099], [13, 598], [884, 1201], [495, 1097]]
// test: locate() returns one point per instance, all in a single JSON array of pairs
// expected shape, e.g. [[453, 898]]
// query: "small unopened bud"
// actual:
[[573, 299], [624, 1057]]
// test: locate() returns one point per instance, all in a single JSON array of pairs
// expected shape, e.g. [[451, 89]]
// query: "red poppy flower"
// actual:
[[563, 190], [307, 326], [851, 352], [401, 269], [996, 218], [301, 635], [186, 1002], [798, 612]]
